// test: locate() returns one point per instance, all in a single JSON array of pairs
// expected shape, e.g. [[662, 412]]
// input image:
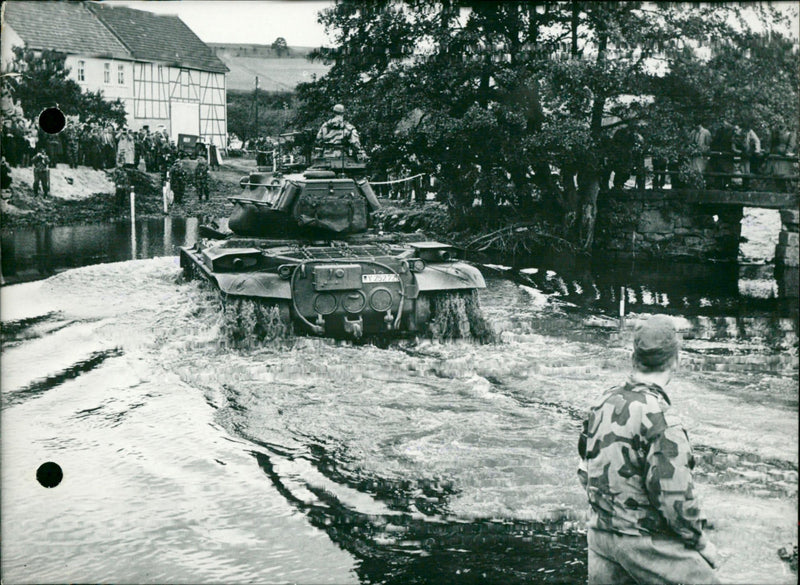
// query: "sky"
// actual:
[[245, 21], [262, 21]]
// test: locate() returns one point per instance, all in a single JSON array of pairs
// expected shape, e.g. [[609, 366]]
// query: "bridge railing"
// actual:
[[765, 174]]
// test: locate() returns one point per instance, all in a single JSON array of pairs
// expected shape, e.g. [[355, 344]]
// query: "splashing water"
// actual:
[[311, 460], [248, 323], [458, 315]]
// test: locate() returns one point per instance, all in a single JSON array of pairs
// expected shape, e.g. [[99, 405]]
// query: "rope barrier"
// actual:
[[398, 180]]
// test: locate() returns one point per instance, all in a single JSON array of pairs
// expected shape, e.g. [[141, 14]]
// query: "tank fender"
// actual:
[[448, 276], [254, 284]]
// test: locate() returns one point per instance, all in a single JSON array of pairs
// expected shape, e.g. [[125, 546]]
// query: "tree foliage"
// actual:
[[41, 80], [280, 47], [276, 111], [492, 97]]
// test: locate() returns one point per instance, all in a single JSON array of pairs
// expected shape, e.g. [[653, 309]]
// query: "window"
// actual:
[[120, 74], [106, 72], [81, 70]]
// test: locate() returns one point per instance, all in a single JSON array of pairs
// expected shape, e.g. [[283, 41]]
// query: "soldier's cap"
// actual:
[[655, 341], [338, 108]]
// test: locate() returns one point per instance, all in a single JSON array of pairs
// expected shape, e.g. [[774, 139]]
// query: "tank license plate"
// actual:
[[373, 278]]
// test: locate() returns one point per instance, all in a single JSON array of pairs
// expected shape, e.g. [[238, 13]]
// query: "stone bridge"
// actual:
[[693, 224]]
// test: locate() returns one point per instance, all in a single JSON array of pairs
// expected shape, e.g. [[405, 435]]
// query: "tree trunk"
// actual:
[[588, 189], [574, 39]]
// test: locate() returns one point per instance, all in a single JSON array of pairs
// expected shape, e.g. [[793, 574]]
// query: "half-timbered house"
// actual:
[[162, 71]]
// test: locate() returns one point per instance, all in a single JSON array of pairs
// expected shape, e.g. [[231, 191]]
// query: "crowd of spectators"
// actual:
[[92, 144], [100, 146], [729, 157]]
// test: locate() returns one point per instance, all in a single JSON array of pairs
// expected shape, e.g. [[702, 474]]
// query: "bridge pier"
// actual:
[[787, 255], [664, 225], [696, 225]]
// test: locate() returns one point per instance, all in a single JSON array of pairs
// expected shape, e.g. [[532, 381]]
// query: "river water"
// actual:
[[315, 461]]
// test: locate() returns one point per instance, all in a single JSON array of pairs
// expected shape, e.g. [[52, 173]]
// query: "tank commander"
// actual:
[[338, 138], [645, 524]]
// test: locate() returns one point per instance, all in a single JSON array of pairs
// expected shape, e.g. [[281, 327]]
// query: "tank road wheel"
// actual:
[[458, 315], [248, 322]]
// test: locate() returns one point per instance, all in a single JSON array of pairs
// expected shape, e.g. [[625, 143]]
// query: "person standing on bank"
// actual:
[[645, 524], [41, 173]]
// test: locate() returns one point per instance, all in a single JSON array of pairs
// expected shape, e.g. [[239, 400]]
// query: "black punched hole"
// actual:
[[52, 120], [49, 474]]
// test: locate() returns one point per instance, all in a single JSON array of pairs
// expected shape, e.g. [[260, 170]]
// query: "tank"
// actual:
[[302, 255]]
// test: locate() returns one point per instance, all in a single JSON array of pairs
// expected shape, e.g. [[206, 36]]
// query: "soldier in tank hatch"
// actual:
[[337, 136], [645, 524]]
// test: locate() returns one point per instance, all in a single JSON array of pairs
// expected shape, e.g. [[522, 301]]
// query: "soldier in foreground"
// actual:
[[645, 525]]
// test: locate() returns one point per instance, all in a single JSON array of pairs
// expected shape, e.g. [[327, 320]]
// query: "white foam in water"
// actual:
[[23, 301]]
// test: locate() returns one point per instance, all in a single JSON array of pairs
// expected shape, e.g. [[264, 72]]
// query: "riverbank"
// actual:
[[84, 195]]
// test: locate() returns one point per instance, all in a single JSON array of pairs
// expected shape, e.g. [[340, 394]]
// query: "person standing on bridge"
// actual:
[[782, 146], [700, 142], [645, 524], [337, 137], [751, 154]]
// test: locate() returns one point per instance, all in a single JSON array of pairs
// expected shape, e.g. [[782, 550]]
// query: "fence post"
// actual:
[[133, 225]]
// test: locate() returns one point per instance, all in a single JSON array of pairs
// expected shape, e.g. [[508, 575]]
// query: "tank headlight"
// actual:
[[354, 302], [380, 300], [325, 304], [417, 265]]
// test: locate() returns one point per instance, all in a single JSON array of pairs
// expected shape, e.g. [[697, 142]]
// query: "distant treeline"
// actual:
[[261, 51]]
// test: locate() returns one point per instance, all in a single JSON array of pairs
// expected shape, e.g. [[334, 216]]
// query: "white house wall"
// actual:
[[90, 74], [8, 40], [158, 89]]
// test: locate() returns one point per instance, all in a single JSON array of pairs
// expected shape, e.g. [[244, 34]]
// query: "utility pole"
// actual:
[[255, 100]]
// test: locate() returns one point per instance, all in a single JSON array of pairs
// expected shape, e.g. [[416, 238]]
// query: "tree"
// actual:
[[506, 91], [275, 113], [280, 47], [42, 81]]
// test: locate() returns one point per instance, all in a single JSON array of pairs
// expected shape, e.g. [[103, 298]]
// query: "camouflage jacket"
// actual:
[[201, 173], [178, 175], [636, 466], [337, 133]]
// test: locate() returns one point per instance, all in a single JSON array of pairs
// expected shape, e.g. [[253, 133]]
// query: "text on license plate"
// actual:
[[367, 278]]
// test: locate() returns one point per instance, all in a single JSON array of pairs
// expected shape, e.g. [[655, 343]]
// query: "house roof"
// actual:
[[99, 30], [154, 37], [67, 27]]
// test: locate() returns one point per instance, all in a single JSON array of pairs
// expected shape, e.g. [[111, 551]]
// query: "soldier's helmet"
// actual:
[[338, 109]]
